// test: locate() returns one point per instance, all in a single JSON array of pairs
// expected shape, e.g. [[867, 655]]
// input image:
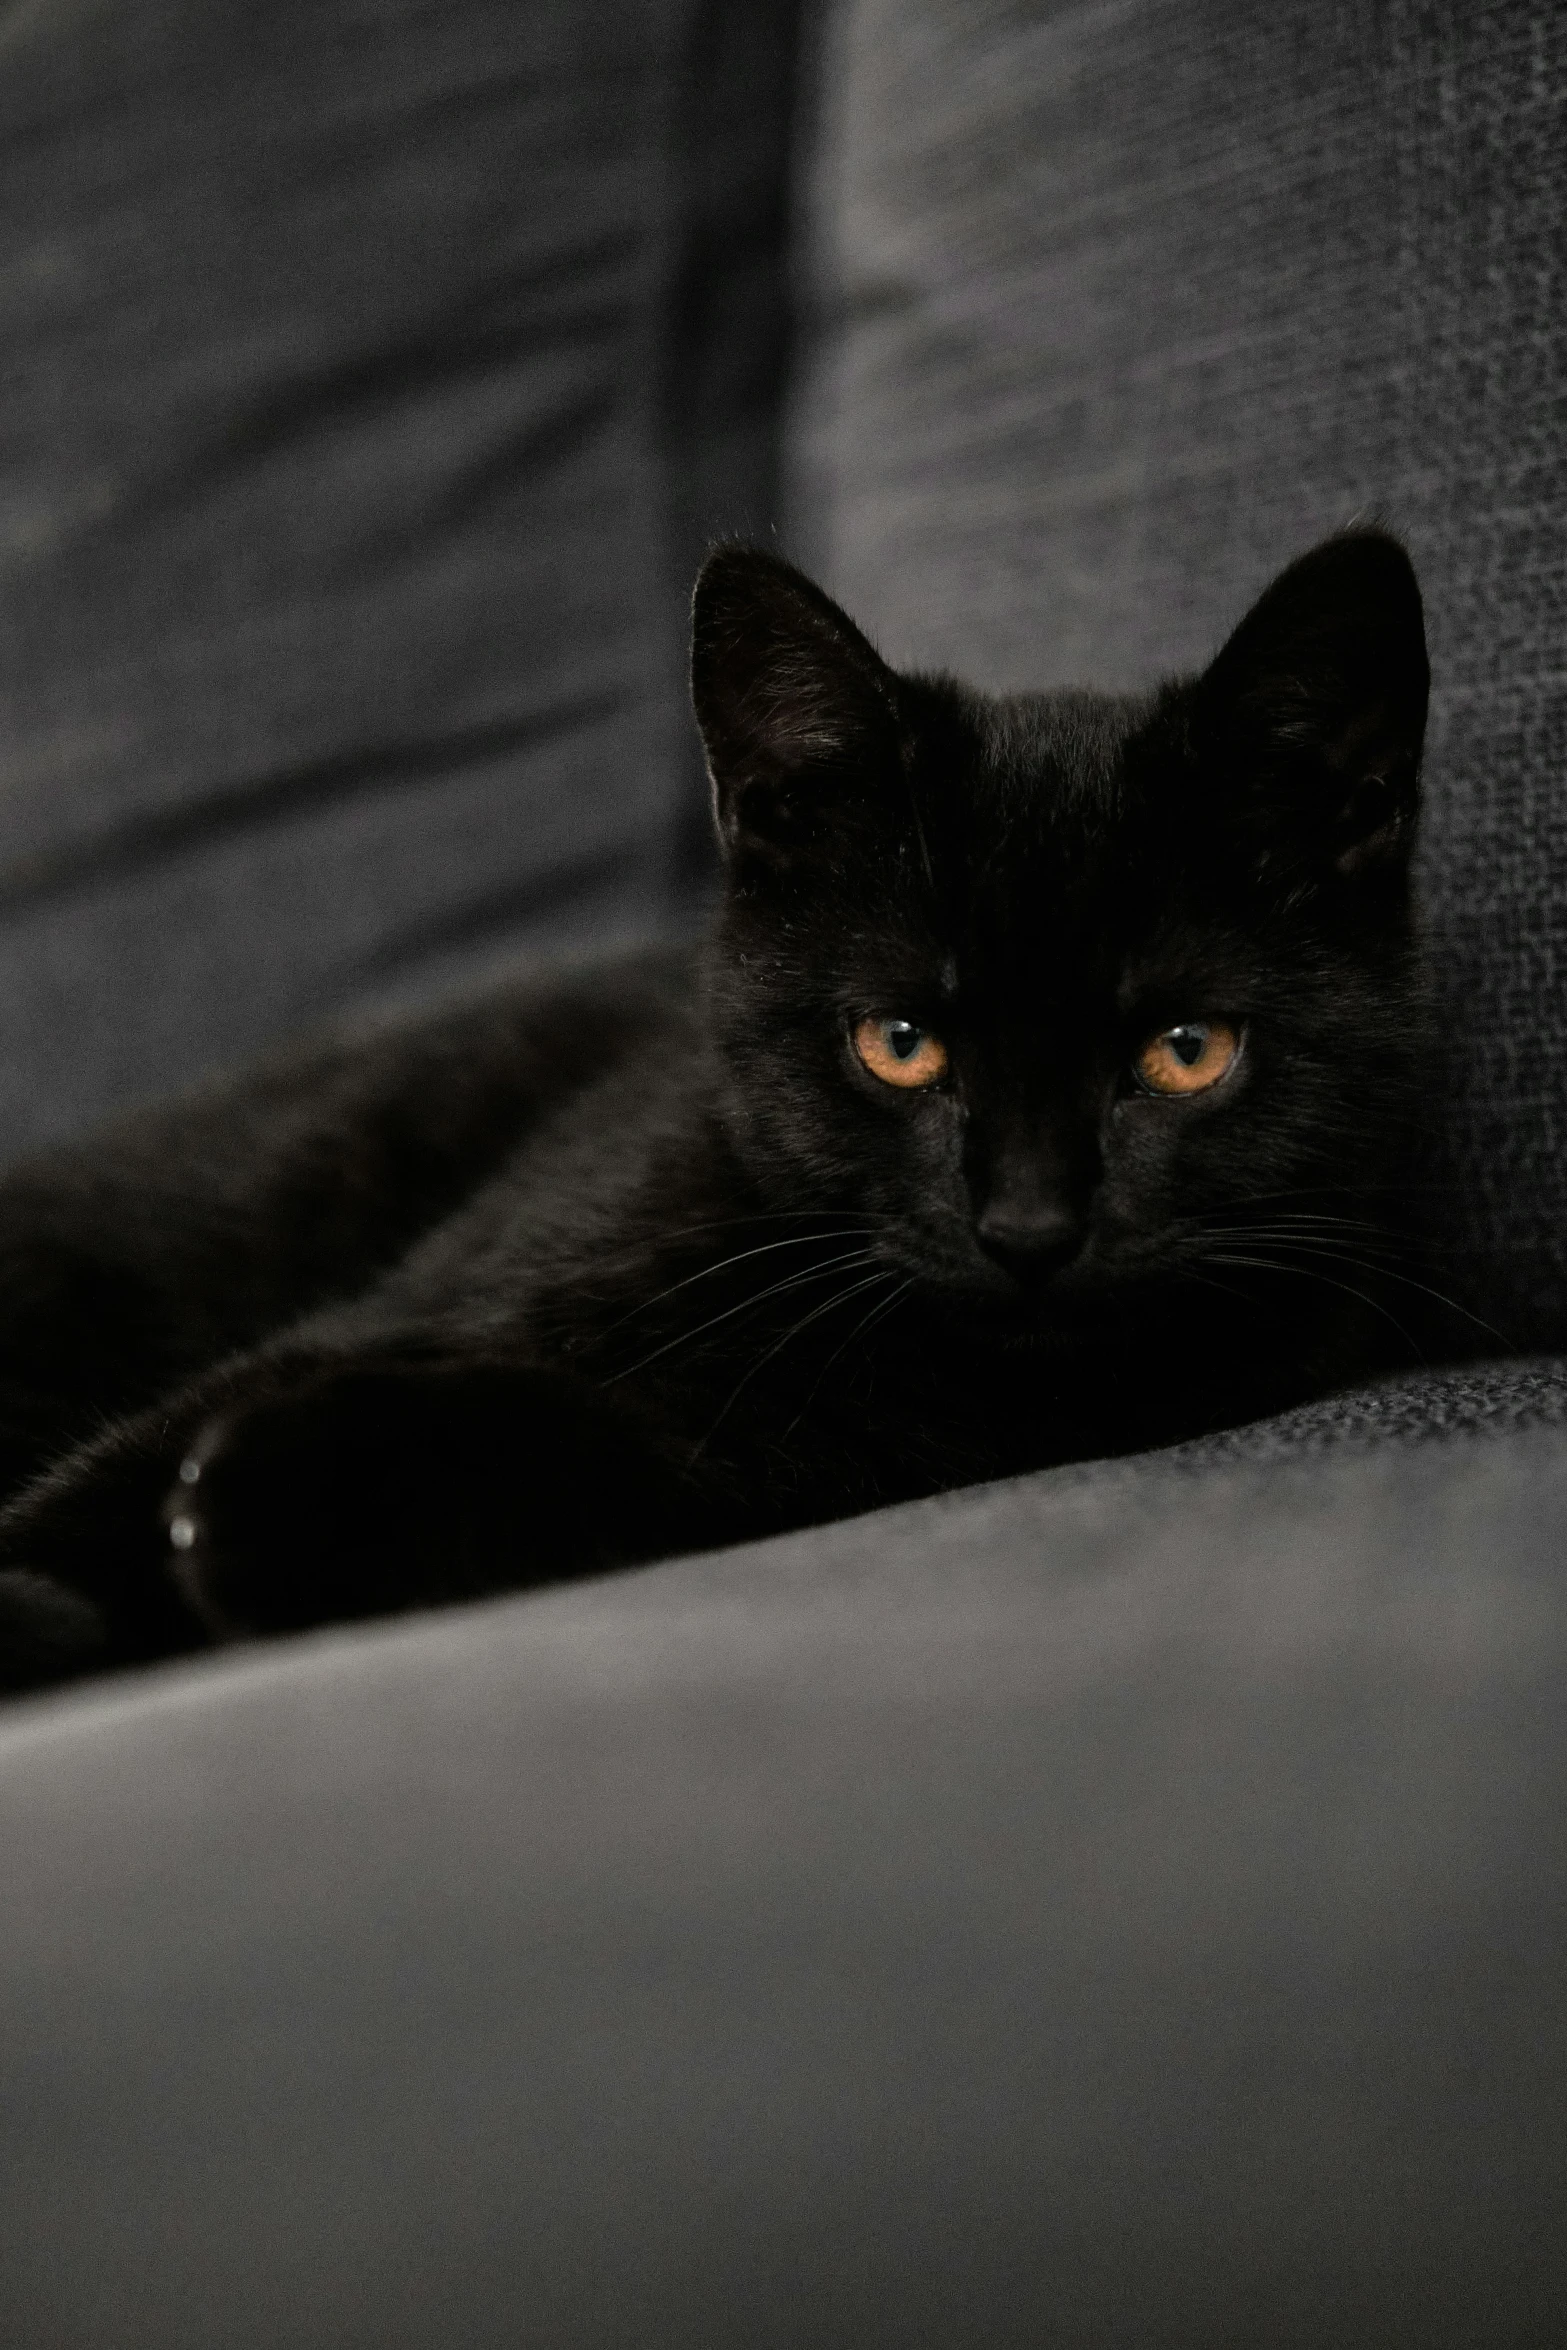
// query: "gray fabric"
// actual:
[[1123, 1906], [730, 333], [357, 413], [1123, 1909], [1120, 308], [1488, 1398]]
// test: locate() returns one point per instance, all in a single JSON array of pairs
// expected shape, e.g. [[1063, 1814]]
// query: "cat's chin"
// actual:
[[1064, 1313], [1006, 1314]]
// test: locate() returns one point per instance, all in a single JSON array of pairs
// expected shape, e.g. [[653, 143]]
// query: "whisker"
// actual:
[[746, 1305], [1225, 1288], [1287, 1237], [840, 1297], [878, 1313], [1330, 1227], [1386, 1272], [862, 1328], [1361, 1227], [741, 1256], [1265, 1199], [1311, 1273]]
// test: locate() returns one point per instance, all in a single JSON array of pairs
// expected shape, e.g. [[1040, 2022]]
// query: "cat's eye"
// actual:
[[899, 1052], [1188, 1059]]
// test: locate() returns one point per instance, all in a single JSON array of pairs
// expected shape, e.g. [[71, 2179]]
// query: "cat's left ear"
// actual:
[[797, 710], [1310, 721]]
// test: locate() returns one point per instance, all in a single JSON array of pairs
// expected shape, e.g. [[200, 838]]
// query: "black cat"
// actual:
[[1041, 1091]]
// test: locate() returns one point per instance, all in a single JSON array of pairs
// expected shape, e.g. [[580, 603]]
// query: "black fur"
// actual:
[[650, 1260]]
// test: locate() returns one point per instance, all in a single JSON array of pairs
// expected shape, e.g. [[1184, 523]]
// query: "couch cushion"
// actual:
[[359, 418], [1424, 1407], [1122, 1906], [1120, 308]]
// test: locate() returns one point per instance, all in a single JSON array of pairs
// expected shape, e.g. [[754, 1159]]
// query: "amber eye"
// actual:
[[1188, 1059], [899, 1053]]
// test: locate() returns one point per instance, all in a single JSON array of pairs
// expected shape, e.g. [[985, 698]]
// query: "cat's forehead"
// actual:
[[1050, 770], [1069, 742], [1042, 821]]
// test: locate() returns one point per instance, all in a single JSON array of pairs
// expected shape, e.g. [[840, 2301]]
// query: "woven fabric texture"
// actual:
[[1116, 309], [357, 418]]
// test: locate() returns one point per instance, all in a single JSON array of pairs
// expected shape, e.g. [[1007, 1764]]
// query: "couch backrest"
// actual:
[[1119, 308], [369, 374]]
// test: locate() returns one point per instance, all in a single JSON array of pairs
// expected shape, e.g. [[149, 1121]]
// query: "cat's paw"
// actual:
[[365, 1490], [307, 1507]]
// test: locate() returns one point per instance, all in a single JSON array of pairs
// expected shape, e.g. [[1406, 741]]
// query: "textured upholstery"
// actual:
[[1119, 308], [368, 370], [1121, 1907], [1427, 1407], [1115, 1908]]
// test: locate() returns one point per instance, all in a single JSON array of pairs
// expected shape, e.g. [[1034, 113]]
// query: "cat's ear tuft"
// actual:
[[797, 711], [1312, 717]]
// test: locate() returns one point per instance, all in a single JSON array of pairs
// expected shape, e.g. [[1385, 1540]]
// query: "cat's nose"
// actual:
[[1030, 1241]]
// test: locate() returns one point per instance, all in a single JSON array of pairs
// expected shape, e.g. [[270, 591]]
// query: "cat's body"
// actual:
[[898, 1181]]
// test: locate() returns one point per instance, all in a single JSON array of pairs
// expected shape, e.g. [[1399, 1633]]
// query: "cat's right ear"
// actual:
[[1309, 723], [798, 712]]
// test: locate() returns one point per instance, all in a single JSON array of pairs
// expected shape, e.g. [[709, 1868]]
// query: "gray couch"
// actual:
[[1122, 1907]]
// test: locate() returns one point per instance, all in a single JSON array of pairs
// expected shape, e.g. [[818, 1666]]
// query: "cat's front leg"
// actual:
[[84, 1582], [373, 1486]]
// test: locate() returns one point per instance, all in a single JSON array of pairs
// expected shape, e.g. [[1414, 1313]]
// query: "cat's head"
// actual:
[[1050, 989]]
